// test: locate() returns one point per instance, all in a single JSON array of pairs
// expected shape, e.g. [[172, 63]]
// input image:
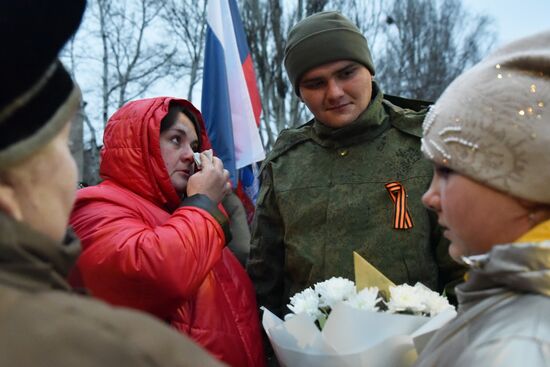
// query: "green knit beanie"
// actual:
[[322, 38]]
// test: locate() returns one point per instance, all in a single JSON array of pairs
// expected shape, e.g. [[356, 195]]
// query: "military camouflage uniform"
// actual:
[[323, 196]]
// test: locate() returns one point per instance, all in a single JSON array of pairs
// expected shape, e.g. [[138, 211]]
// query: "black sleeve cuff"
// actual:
[[203, 202]]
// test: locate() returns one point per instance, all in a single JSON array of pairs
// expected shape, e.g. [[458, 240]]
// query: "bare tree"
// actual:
[[131, 61], [186, 20], [266, 32], [418, 47], [117, 55], [80, 148], [267, 23], [429, 43]]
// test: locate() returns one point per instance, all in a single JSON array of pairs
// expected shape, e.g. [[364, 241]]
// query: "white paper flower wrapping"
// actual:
[[356, 333], [351, 337]]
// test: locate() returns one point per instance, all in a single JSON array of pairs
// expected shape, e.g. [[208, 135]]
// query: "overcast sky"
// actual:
[[514, 18]]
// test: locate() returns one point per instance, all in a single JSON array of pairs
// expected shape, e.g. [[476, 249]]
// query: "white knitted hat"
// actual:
[[492, 123]]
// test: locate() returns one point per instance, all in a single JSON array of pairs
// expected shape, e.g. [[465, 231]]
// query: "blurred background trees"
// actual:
[[129, 49], [431, 43]]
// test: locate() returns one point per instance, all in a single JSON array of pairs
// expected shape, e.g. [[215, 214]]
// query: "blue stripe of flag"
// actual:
[[239, 31], [217, 115]]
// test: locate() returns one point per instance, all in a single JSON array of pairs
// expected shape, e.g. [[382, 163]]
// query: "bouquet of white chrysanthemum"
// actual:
[[317, 302], [332, 324]]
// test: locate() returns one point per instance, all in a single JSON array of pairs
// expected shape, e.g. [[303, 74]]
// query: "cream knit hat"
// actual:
[[493, 122]]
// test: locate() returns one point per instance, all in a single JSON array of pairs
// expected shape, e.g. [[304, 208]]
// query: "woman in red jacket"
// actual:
[[153, 235]]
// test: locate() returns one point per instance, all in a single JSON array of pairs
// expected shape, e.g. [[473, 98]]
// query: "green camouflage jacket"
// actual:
[[323, 195]]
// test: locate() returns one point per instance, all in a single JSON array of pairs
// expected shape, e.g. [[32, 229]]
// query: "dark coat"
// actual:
[[45, 323]]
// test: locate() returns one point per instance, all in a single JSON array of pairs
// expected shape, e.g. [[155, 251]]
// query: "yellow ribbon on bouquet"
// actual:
[[367, 275]]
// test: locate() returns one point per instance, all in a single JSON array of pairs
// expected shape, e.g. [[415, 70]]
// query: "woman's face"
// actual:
[[177, 145], [474, 217], [43, 187]]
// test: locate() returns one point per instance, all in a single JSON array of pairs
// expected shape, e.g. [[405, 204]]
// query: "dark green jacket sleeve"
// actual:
[[240, 231], [267, 252]]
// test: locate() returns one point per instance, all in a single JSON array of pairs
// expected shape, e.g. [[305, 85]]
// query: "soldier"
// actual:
[[351, 179]]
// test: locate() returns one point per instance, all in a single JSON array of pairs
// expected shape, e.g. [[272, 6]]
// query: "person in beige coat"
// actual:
[[43, 322], [488, 137]]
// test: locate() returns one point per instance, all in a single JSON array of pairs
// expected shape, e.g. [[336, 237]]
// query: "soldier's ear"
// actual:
[[8, 202]]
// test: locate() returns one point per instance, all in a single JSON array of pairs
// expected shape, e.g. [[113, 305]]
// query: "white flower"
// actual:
[[334, 290], [434, 302], [404, 298], [417, 300], [307, 302], [366, 299]]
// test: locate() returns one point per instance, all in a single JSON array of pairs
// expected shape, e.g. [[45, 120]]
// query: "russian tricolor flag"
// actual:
[[231, 104]]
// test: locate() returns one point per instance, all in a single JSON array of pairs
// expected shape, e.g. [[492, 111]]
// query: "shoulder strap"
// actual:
[[402, 117], [288, 138], [411, 104]]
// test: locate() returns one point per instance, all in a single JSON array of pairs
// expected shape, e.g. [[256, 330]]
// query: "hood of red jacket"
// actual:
[[131, 154]]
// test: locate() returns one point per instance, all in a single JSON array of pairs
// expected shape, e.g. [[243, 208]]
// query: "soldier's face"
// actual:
[[474, 217], [337, 93]]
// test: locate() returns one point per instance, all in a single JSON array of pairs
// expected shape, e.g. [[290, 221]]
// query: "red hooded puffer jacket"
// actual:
[[141, 250]]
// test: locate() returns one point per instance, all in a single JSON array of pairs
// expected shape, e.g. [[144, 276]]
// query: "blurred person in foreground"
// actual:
[[488, 137], [42, 320], [154, 233], [351, 179]]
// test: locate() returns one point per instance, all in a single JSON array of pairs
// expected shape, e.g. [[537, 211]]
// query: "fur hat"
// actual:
[[38, 97], [322, 38], [492, 123]]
